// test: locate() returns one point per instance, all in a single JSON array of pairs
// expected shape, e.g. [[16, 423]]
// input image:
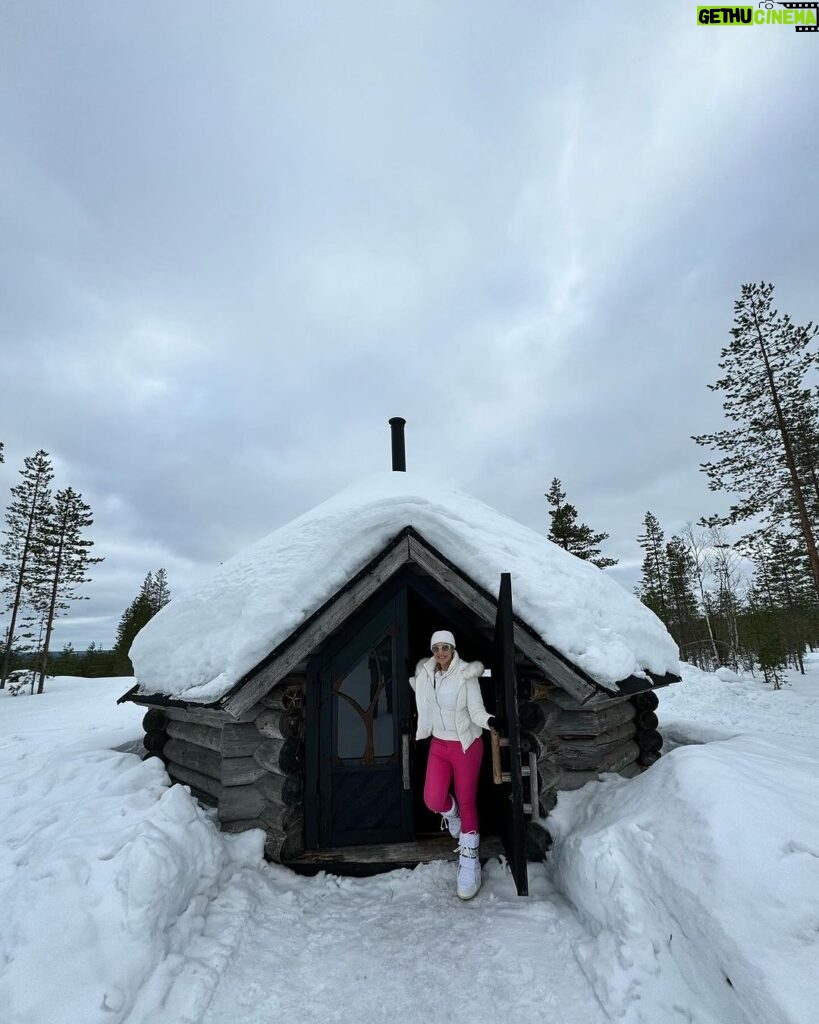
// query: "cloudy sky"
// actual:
[[235, 238]]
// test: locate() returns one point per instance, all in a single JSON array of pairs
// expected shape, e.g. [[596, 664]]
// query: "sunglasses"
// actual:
[[441, 647]]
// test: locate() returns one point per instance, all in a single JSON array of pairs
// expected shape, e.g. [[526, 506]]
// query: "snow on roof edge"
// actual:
[[205, 642]]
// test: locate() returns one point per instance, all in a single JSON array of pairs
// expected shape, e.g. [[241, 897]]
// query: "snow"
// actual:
[[110, 879], [689, 894], [207, 639], [699, 880]]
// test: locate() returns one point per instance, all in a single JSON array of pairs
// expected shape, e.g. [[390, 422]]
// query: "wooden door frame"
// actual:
[[503, 673], [314, 718]]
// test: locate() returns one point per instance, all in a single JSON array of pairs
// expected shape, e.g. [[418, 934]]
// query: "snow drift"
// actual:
[[110, 879], [697, 886], [699, 880]]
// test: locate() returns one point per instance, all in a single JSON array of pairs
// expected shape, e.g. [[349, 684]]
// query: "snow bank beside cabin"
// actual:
[[205, 640], [111, 882], [700, 878]]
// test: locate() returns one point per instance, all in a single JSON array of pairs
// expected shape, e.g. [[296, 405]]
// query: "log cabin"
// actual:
[[277, 690]]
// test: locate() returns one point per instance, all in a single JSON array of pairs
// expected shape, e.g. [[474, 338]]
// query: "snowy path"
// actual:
[[123, 904], [402, 946]]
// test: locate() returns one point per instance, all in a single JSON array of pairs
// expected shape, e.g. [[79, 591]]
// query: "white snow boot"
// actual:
[[469, 865], [452, 820]]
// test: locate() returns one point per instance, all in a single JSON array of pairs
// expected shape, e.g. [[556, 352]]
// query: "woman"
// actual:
[[450, 709]]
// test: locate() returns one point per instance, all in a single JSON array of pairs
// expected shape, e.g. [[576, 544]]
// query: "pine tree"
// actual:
[[153, 595], [66, 663], [653, 587], [67, 556], [160, 593], [683, 608], [764, 366], [26, 518], [766, 636], [565, 531], [805, 425], [784, 587]]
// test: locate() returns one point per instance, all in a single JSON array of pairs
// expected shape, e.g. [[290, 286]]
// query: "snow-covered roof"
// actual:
[[205, 640]]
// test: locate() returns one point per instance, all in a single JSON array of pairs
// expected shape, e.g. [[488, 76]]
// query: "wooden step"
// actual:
[[364, 860]]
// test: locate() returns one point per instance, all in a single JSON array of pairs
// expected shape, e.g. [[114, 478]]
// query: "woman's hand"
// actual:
[[492, 723]]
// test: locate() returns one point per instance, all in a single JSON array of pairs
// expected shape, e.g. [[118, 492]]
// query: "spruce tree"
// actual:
[[683, 608], [653, 587], [153, 595], [766, 636], [565, 531], [26, 519], [160, 592], [66, 559], [785, 588], [765, 366], [66, 663]]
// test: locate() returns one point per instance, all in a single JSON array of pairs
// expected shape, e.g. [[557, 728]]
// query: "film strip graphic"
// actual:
[[803, 7]]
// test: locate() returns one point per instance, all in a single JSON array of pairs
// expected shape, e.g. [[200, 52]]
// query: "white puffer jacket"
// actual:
[[470, 714]]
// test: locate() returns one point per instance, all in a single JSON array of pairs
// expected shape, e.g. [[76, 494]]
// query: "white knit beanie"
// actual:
[[442, 636]]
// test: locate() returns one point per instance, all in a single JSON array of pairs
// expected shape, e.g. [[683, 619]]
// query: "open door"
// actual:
[[513, 824]]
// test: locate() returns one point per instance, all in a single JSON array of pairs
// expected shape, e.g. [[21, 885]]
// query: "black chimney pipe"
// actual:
[[399, 455]]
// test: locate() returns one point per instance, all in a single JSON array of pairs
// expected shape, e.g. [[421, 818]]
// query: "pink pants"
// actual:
[[447, 759]]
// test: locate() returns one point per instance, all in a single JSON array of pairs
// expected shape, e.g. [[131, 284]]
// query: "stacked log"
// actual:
[[648, 737], [251, 771], [155, 724], [574, 745], [191, 753], [262, 773]]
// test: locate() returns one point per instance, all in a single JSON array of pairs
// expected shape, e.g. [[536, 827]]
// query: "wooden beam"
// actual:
[[201, 716], [556, 670], [198, 759], [280, 725], [335, 612], [582, 757], [287, 695], [588, 723], [191, 732], [240, 771], [239, 740], [265, 799], [188, 777], [281, 757], [602, 742]]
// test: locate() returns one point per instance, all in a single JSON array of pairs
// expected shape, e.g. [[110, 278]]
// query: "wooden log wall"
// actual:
[[574, 745], [252, 771]]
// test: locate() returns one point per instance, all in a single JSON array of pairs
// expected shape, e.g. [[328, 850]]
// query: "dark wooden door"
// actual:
[[363, 770], [513, 823]]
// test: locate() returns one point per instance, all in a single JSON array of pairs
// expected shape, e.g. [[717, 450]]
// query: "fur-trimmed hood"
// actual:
[[470, 714], [471, 669]]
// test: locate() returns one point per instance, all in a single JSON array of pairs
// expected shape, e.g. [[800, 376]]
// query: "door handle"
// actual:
[[405, 765], [497, 770]]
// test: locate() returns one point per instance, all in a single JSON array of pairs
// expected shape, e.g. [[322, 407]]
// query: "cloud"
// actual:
[[234, 242]]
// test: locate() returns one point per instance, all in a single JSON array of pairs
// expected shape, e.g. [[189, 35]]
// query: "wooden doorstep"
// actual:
[[421, 851]]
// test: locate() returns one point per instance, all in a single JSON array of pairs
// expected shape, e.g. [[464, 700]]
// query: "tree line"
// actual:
[[46, 558], [720, 611]]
